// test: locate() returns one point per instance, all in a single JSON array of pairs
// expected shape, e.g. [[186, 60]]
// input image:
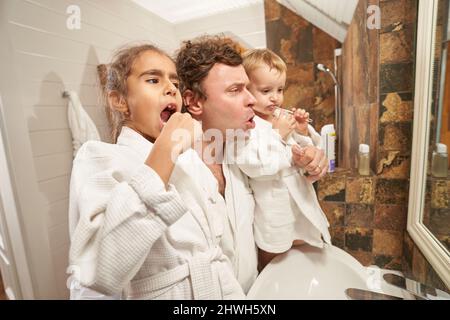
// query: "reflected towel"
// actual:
[[81, 125]]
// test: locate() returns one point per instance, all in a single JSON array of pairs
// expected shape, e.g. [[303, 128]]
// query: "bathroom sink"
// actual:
[[307, 272]]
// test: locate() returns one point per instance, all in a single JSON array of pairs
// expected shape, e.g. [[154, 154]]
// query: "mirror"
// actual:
[[437, 206], [429, 197]]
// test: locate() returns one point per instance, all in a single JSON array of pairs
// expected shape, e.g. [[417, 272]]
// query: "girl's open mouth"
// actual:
[[167, 112]]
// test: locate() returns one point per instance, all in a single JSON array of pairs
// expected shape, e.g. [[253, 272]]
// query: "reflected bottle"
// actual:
[[364, 160], [439, 161]]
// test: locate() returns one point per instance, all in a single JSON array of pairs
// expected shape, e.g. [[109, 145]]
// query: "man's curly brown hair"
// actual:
[[196, 58]]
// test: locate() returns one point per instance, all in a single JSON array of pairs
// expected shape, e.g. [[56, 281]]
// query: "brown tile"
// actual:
[[396, 46], [373, 123], [391, 191], [360, 190], [433, 280], [363, 257], [302, 73], [332, 188], [359, 215], [388, 262], [396, 77], [324, 45], [276, 31], [303, 45], [293, 20], [338, 237], [335, 212], [299, 95], [396, 136], [358, 239], [387, 242], [419, 265], [439, 223], [394, 165], [397, 12], [272, 10], [445, 240], [408, 250], [390, 217], [440, 194], [286, 51], [396, 108]]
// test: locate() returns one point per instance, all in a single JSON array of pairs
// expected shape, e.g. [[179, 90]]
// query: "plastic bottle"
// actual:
[[364, 160], [328, 145], [439, 161]]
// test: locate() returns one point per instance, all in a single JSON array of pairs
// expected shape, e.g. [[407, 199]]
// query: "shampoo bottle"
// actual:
[[439, 161], [328, 145]]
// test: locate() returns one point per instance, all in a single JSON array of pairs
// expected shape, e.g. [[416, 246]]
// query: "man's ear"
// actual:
[[193, 104], [117, 102]]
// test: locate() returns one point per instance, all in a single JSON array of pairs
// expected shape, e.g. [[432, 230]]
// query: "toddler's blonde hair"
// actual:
[[256, 58]]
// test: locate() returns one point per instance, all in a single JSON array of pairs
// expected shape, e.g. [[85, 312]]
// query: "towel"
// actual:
[[81, 125]]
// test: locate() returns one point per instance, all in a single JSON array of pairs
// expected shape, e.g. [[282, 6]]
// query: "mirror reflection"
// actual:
[[437, 203]]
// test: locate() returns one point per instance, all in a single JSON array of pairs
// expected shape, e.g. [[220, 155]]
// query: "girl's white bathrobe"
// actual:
[[287, 208], [133, 236]]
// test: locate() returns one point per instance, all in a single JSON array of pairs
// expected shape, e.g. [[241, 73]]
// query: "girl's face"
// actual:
[[153, 94], [267, 85]]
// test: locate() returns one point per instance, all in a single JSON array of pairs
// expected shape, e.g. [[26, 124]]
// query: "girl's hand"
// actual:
[[302, 120], [180, 132], [284, 123], [177, 135]]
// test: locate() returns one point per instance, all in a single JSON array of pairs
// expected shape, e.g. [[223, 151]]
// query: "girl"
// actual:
[[136, 233]]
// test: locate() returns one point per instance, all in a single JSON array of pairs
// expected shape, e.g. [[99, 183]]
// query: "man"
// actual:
[[214, 88]]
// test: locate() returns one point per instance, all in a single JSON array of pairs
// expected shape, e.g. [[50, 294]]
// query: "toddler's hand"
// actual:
[[284, 123], [302, 120]]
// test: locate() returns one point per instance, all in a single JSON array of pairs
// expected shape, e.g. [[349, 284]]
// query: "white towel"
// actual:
[[81, 125]]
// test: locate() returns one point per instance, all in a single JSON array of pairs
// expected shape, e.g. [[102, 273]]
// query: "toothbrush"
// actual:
[[291, 113]]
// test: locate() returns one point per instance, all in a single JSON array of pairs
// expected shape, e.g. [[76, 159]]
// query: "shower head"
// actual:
[[324, 68]]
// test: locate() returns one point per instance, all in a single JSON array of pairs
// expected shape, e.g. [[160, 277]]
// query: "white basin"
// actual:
[[307, 272]]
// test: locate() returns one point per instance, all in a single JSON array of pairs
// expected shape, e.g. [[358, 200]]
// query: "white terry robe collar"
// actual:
[[130, 138]]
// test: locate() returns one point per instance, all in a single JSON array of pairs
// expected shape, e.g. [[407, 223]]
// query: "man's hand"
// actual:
[[312, 159]]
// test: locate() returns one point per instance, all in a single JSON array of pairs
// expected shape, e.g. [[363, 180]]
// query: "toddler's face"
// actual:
[[267, 85]]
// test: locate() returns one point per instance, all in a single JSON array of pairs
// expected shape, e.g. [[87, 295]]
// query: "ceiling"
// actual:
[[177, 11], [332, 16]]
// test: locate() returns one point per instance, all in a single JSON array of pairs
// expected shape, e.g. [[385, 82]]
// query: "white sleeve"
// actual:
[[119, 223], [314, 138], [264, 155]]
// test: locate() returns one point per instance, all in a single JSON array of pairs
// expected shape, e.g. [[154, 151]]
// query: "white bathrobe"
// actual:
[[133, 236], [287, 208]]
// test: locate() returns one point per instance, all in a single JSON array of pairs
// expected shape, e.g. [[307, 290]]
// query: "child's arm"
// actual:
[[166, 149], [313, 138], [264, 154], [284, 125], [305, 134]]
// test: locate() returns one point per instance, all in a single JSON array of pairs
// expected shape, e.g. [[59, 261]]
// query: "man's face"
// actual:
[[228, 104]]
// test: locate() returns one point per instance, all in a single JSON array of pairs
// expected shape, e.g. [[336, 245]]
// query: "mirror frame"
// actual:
[[434, 251]]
